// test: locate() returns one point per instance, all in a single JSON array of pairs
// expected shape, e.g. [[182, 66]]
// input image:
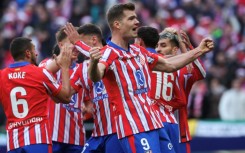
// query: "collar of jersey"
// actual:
[[110, 43], [18, 64], [152, 50]]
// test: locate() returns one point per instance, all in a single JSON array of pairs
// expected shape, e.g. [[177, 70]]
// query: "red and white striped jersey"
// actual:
[[167, 94], [128, 77], [66, 120], [187, 80], [24, 93], [104, 123], [83, 48]]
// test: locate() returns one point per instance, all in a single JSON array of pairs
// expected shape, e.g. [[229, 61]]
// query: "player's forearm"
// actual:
[[94, 72], [183, 48], [179, 61]]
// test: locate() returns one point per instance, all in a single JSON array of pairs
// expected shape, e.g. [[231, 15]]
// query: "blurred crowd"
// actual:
[[220, 94]]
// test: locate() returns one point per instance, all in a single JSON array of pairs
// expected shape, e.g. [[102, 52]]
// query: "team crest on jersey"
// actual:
[[99, 87], [140, 77], [73, 99]]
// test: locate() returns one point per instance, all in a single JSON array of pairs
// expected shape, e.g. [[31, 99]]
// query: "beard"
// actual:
[[34, 60]]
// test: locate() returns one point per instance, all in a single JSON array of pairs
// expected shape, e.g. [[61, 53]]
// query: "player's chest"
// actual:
[[134, 60]]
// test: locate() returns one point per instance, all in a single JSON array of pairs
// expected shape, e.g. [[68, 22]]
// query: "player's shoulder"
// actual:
[[137, 47], [36, 71], [44, 62], [104, 48]]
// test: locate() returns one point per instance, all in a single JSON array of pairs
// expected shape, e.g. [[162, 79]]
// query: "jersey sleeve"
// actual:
[[199, 72], [83, 48], [50, 83], [109, 55], [44, 62]]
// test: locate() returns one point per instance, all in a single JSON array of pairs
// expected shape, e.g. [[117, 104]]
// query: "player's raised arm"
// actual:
[[64, 61], [96, 70], [74, 37], [176, 62]]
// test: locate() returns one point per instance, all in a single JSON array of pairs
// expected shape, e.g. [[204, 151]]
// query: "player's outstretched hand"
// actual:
[[95, 54], [206, 45], [64, 59], [71, 33]]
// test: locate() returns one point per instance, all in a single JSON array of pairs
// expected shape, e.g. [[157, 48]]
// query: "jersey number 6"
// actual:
[[18, 102]]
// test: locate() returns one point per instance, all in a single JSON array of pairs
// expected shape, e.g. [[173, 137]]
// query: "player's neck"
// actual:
[[22, 60], [120, 42]]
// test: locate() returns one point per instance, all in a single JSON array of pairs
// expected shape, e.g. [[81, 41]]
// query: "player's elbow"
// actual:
[[66, 100], [67, 97], [95, 78], [64, 96]]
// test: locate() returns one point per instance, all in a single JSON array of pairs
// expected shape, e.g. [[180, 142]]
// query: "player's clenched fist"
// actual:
[[95, 54], [206, 45]]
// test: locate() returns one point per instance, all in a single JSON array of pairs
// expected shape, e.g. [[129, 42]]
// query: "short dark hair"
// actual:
[[116, 12], [149, 35], [18, 46], [172, 37], [90, 29], [60, 34]]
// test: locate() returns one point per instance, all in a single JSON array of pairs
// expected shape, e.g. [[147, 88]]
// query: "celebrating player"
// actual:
[[68, 133], [126, 69], [104, 138], [168, 45], [24, 92]]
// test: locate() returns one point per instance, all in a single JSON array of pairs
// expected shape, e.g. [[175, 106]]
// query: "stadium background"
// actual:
[[223, 20]]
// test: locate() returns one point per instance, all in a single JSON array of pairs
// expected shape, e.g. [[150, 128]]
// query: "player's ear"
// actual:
[[116, 24], [139, 41], [28, 53]]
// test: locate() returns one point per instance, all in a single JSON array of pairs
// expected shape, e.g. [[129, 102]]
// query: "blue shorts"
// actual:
[[59, 147], [156, 141], [103, 144], [173, 133], [185, 147], [37, 148]]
